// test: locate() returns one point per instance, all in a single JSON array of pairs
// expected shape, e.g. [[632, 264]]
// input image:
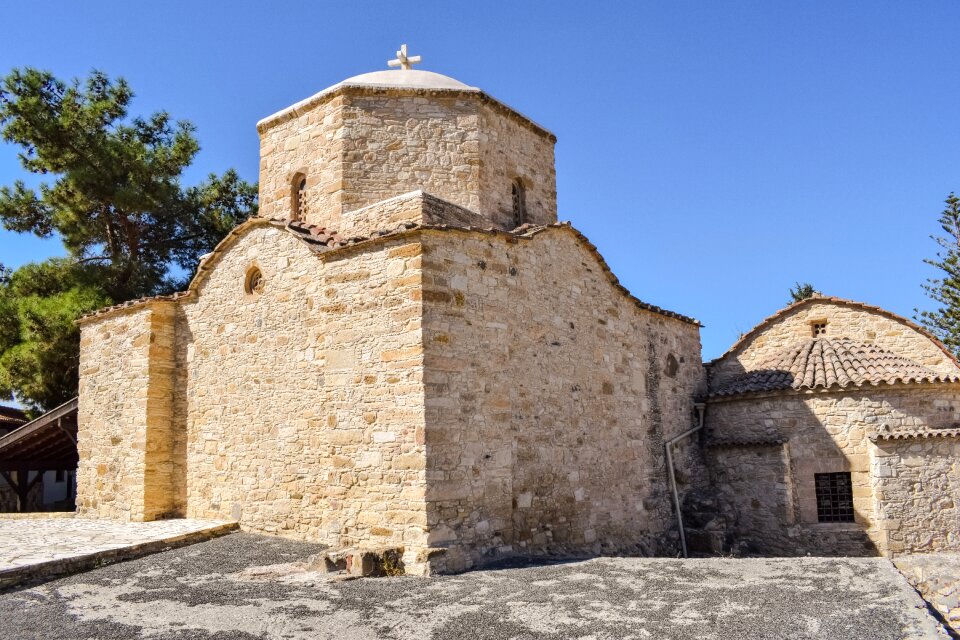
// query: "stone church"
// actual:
[[407, 350]]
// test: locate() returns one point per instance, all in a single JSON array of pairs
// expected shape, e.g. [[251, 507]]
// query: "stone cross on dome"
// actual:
[[402, 60]]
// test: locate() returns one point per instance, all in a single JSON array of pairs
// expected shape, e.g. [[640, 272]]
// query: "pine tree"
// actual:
[[944, 321], [112, 194], [801, 292]]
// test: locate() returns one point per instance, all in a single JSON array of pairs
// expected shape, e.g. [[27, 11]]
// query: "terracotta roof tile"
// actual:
[[822, 363], [887, 434], [746, 441]]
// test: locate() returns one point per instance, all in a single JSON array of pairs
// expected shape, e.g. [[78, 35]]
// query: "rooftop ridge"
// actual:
[[326, 242]]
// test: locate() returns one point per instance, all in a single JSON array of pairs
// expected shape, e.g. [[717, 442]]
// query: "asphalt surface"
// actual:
[[202, 592]]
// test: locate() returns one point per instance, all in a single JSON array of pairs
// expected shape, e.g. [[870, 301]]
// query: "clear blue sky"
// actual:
[[715, 152]]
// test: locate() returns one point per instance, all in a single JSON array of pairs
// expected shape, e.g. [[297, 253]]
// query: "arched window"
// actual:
[[253, 284], [299, 197], [519, 204]]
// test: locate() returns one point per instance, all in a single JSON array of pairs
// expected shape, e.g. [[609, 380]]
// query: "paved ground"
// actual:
[[937, 577], [198, 592], [33, 541]]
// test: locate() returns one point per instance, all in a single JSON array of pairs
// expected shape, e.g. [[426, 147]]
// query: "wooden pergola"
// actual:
[[48, 443]]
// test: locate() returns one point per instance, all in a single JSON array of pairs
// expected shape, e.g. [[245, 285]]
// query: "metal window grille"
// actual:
[[834, 497]]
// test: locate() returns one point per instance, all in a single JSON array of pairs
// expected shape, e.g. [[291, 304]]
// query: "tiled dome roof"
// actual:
[[821, 363]]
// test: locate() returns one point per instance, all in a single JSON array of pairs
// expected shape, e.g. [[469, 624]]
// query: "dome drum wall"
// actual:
[[359, 144]]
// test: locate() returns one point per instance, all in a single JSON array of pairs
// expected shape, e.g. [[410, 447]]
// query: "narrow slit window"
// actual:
[[519, 204], [299, 211], [834, 497]]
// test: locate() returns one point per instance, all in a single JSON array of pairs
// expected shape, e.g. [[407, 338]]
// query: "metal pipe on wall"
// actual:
[[700, 407]]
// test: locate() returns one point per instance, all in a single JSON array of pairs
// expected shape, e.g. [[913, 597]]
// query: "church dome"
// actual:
[[822, 363], [407, 78]]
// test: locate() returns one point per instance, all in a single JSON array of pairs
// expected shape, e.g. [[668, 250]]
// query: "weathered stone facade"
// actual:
[[410, 380], [897, 440], [129, 467], [916, 481], [358, 144], [549, 394]]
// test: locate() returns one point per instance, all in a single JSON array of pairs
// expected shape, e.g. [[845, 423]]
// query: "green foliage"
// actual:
[[944, 321], [801, 292], [39, 340], [112, 194]]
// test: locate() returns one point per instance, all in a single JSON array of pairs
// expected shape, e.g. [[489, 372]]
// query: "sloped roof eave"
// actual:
[[327, 243], [834, 388]]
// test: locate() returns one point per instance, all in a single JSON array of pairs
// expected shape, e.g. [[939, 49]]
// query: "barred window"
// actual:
[[834, 497]]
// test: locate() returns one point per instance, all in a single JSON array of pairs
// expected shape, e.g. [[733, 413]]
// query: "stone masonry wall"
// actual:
[[917, 485], [310, 144], [303, 406], [753, 486], [829, 432], [361, 146], [395, 143], [846, 321], [511, 151], [548, 398], [415, 207], [124, 434]]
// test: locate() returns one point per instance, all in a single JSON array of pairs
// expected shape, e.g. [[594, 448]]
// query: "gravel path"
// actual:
[[197, 593]]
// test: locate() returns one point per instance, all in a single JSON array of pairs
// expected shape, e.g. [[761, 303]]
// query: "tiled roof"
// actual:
[[818, 298], [11, 417], [746, 441], [887, 434], [821, 363], [320, 236], [322, 240]]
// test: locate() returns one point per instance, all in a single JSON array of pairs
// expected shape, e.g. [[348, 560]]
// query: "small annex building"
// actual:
[[406, 349], [833, 428]]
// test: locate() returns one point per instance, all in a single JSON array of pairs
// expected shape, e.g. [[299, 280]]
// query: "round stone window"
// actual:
[[254, 283]]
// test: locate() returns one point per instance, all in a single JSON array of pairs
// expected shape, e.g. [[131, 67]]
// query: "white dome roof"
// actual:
[[413, 78], [392, 78]]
